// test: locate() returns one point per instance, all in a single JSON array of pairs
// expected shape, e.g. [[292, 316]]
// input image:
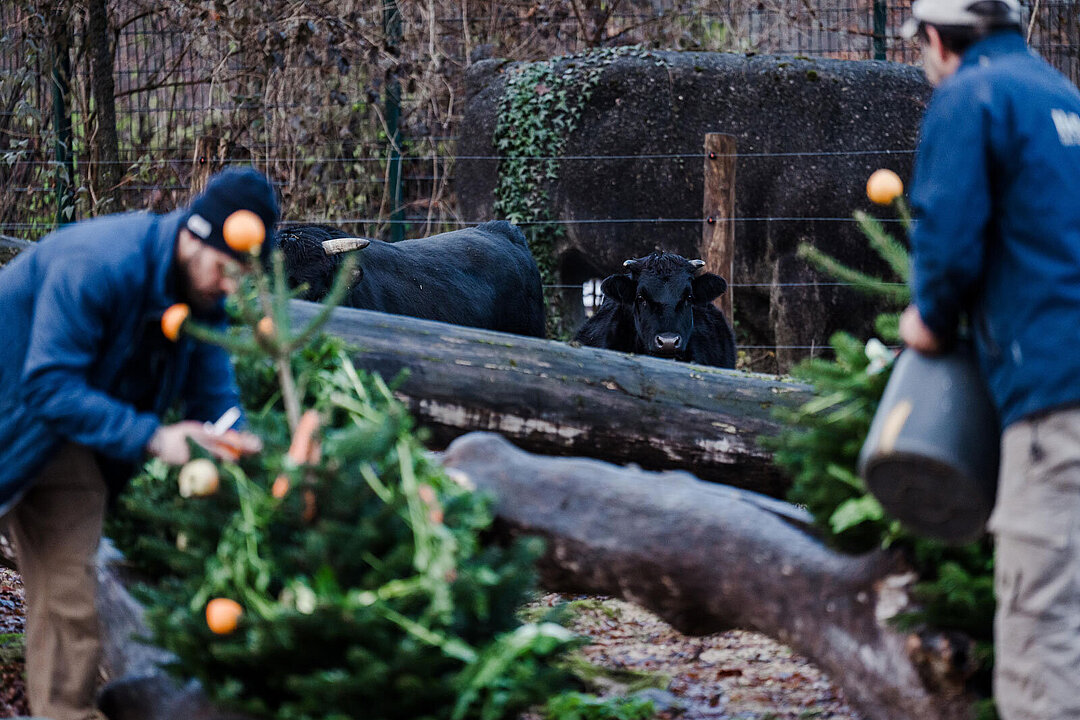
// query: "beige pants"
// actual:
[[56, 528], [1037, 570]]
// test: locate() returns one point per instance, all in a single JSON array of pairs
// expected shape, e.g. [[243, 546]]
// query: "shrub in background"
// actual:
[[820, 450]]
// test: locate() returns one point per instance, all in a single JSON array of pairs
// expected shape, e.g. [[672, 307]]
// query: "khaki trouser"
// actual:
[[1037, 570], [56, 529]]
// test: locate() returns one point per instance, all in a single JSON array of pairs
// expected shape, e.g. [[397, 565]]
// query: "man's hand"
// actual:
[[233, 444], [170, 444], [915, 333]]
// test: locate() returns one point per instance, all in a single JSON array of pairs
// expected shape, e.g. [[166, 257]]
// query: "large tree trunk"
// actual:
[[707, 558], [555, 398], [704, 557], [107, 175]]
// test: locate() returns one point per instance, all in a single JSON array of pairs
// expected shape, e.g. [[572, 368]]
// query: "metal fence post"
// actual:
[[392, 28], [881, 14], [61, 89]]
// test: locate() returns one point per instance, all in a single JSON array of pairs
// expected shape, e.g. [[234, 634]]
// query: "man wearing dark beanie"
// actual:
[[86, 374]]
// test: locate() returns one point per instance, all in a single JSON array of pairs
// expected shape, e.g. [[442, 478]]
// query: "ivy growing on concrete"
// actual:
[[537, 113]]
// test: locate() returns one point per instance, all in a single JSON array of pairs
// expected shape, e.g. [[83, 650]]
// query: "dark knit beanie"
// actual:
[[231, 190]]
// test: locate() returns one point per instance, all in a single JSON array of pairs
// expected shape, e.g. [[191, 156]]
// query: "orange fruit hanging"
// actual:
[[222, 615], [265, 327], [173, 319], [244, 231], [884, 186]]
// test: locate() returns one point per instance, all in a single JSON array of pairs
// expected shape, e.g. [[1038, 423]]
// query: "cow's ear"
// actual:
[[620, 288], [708, 287]]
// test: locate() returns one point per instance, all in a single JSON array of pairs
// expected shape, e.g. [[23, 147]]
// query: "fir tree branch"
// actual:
[[206, 334], [860, 280], [890, 250]]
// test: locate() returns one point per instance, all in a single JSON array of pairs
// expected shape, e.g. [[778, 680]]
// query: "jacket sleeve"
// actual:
[[67, 335], [951, 204], [210, 387]]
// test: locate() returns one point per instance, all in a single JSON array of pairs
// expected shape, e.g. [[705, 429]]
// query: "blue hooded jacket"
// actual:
[[996, 199], [79, 325]]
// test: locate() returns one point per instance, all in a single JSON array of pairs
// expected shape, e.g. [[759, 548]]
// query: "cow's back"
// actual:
[[482, 276]]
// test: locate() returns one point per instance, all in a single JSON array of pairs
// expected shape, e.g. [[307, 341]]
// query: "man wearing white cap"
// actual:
[[997, 238]]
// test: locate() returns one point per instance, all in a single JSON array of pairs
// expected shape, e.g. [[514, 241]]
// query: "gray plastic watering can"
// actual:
[[931, 458]]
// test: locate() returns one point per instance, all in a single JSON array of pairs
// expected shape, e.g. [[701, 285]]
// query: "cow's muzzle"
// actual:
[[667, 344]]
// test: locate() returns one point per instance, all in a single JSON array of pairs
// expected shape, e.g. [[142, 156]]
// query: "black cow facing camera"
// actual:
[[662, 306]]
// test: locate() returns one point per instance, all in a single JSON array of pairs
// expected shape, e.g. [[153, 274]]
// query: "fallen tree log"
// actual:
[[704, 557], [6, 241], [708, 558], [558, 399]]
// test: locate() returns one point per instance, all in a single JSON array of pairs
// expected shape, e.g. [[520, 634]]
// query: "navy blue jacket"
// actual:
[[996, 198], [82, 358]]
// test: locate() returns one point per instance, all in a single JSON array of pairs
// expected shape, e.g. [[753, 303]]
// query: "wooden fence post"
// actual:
[[718, 231], [204, 164], [213, 154]]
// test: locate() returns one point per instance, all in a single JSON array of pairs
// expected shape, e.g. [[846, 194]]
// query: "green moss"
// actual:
[[537, 113]]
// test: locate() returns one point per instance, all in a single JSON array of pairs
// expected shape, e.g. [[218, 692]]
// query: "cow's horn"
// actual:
[[632, 265], [336, 246], [698, 265]]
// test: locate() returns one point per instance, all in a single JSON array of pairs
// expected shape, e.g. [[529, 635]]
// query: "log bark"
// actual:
[[708, 558], [559, 399], [14, 242], [704, 557], [718, 232], [138, 687]]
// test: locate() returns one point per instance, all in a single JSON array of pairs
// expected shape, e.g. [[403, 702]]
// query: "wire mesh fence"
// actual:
[[301, 91]]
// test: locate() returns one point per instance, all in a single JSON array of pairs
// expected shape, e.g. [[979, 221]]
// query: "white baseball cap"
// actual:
[[960, 13]]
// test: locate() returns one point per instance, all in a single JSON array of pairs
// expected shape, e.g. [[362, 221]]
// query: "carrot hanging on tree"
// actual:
[[303, 450]]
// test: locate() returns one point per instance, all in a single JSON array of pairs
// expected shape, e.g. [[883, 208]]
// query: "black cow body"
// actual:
[[663, 306], [482, 276]]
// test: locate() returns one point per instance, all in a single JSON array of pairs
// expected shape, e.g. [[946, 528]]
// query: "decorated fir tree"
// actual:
[[340, 572]]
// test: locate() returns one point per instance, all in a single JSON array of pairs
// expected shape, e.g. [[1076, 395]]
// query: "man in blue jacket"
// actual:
[[996, 196], [86, 375]]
